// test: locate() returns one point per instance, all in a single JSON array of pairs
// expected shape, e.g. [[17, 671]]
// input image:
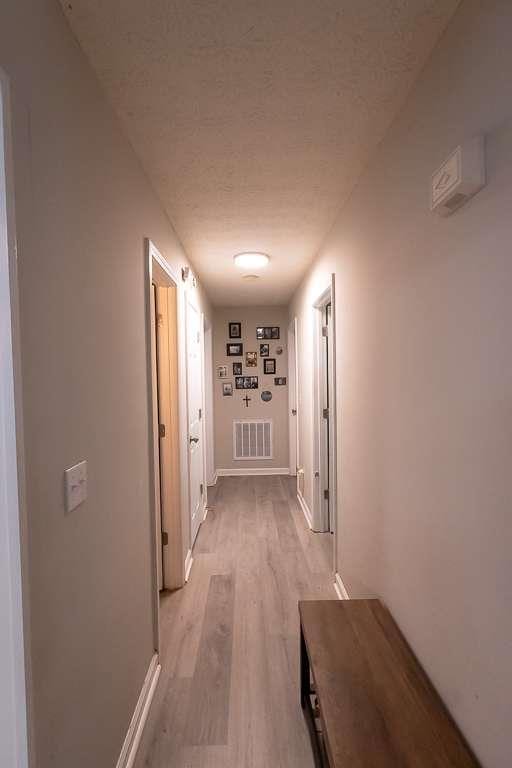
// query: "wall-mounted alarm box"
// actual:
[[460, 177]]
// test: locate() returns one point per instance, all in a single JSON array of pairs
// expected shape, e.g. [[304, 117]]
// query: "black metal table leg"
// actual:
[[305, 684]]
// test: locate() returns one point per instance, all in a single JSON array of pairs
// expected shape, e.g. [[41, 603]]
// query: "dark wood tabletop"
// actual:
[[378, 708]]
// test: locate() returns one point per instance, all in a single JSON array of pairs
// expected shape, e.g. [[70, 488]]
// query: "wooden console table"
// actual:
[[368, 702]]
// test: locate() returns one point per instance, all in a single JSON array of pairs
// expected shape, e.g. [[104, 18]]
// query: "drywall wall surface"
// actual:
[[234, 407], [424, 376], [83, 210]]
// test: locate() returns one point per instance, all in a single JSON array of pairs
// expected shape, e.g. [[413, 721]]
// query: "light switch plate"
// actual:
[[76, 485]]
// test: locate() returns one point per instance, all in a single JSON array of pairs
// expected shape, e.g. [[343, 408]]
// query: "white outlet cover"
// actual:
[[76, 485]]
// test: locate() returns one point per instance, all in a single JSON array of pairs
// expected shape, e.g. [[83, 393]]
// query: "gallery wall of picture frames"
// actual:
[[245, 380]]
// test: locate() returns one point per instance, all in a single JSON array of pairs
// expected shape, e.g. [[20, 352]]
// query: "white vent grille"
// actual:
[[252, 439]]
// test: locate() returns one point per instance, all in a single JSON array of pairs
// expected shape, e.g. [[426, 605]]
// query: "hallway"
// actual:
[[255, 282], [228, 693]]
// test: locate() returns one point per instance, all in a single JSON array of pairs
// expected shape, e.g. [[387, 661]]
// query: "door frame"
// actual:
[[14, 609], [160, 273], [320, 467]]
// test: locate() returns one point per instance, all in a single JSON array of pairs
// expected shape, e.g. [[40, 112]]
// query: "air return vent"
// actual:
[[252, 439]]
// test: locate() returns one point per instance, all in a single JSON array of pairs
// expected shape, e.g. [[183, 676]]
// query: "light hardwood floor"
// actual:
[[228, 695]]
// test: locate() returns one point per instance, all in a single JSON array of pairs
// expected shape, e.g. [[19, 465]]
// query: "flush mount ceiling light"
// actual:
[[251, 260]]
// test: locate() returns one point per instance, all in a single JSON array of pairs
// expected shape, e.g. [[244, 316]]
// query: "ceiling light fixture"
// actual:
[[251, 260]]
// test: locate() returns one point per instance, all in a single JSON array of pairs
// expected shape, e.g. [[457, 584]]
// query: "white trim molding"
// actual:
[[304, 506], [188, 564], [15, 672], [213, 480], [138, 721], [253, 471], [340, 588]]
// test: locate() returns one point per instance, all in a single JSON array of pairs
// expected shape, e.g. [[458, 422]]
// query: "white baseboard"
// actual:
[[253, 471], [305, 509], [340, 588], [138, 721], [188, 564]]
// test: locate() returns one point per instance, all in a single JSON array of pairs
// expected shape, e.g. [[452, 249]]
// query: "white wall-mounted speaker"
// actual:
[[460, 177]]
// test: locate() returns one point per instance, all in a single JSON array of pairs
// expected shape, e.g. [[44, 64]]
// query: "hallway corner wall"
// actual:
[[83, 209], [424, 380], [232, 407]]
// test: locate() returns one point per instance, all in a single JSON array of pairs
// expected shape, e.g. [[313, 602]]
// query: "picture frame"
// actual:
[[264, 350], [227, 389], [235, 330], [222, 371], [246, 382], [251, 359], [237, 369], [269, 366], [280, 381], [268, 332], [234, 349]]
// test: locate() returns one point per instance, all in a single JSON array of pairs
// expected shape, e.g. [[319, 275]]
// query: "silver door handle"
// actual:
[[194, 439]]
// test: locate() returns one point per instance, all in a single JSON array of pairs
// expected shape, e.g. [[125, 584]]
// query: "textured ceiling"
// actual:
[[255, 118]]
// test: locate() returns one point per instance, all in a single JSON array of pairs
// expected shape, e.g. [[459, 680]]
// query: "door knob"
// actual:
[[194, 439], [294, 411]]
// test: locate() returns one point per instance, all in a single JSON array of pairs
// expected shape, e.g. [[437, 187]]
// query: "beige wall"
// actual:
[[229, 408], [425, 380], [83, 210]]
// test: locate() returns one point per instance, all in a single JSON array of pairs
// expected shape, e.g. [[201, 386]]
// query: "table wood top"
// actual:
[[378, 707]]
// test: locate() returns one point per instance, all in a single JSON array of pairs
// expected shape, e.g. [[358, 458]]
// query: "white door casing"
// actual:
[[195, 424], [325, 428], [13, 703]]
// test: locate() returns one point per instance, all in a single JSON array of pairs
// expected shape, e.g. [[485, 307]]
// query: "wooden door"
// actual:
[[168, 435]]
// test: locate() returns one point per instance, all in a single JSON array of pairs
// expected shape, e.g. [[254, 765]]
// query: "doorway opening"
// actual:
[[324, 416], [162, 316]]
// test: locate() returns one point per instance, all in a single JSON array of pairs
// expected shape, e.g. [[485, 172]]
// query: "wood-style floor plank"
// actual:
[[209, 701], [228, 692]]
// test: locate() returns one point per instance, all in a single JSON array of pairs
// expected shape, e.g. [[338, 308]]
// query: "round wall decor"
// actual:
[[266, 396], [279, 350]]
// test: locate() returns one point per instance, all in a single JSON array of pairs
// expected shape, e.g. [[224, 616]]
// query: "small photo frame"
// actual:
[[280, 381], [234, 350], [264, 350], [227, 389], [235, 330], [269, 366], [237, 369], [222, 371], [267, 332], [246, 382], [251, 359]]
